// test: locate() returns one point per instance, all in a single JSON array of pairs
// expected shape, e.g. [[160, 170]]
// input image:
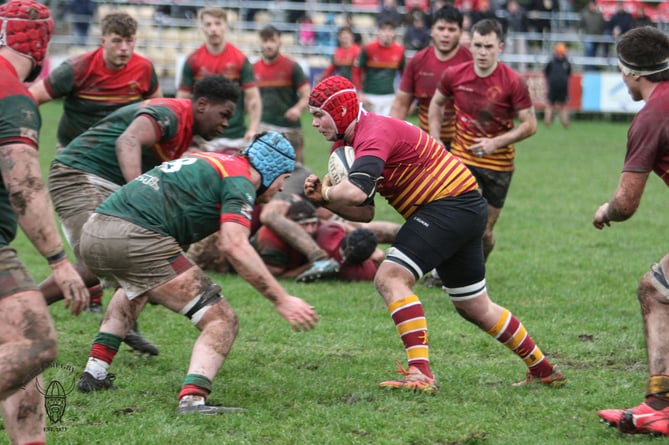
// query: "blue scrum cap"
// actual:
[[272, 155]]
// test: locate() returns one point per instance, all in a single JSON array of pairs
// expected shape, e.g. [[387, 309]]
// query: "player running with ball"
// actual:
[[445, 218]]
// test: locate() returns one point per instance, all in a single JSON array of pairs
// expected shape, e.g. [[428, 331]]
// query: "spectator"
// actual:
[[416, 35], [348, 22], [593, 27], [540, 12], [284, 90], [514, 18], [81, 15], [484, 11], [344, 55], [557, 72], [434, 6], [377, 67], [641, 18], [619, 23], [217, 56], [389, 12], [306, 32]]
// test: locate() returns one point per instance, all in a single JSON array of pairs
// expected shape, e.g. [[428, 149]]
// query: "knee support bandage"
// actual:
[[199, 305], [659, 280]]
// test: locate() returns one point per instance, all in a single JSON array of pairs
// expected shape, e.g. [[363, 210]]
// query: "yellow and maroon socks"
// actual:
[[409, 319]]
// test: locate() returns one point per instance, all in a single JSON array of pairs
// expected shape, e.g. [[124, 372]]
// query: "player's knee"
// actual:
[[196, 309], [49, 348], [654, 286]]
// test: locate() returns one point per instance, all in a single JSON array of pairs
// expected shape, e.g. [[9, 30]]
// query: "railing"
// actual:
[[164, 39]]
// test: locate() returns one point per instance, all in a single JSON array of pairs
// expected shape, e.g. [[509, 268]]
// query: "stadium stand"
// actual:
[[166, 38]]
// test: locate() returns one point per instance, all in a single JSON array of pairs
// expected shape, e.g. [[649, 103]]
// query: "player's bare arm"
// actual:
[[19, 165], [526, 127], [435, 114], [39, 92], [253, 106], [625, 200], [247, 263], [294, 113], [141, 133], [401, 105]]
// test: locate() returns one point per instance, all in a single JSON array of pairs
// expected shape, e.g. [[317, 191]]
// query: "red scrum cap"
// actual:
[[336, 97], [26, 27]]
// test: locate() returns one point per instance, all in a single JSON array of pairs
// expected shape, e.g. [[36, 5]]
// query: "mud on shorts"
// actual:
[[493, 184], [127, 255], [76, 195], [14, 277]]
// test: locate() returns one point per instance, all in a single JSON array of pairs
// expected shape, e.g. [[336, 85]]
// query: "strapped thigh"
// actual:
[[199, 305], [659, 279]]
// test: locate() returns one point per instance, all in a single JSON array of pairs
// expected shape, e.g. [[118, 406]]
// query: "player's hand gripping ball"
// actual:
[[340, 163]]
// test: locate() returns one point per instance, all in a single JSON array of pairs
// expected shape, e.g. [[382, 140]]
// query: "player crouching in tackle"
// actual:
[[445, 218], [134, 239]]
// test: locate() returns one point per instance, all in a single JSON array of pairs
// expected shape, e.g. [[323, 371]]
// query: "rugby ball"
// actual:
[[340, 163]]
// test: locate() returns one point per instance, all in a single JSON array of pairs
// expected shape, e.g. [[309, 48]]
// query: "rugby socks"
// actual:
[[657, 391], [410, 322], [105, 346], [510, 332], [95, 293], [195, 387]]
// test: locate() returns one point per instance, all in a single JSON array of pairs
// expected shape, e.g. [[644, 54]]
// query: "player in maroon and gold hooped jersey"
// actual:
[[423, 71], [487, 96], [445, 218]]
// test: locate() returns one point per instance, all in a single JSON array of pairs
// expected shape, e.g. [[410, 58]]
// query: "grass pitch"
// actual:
[[572, 286]]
